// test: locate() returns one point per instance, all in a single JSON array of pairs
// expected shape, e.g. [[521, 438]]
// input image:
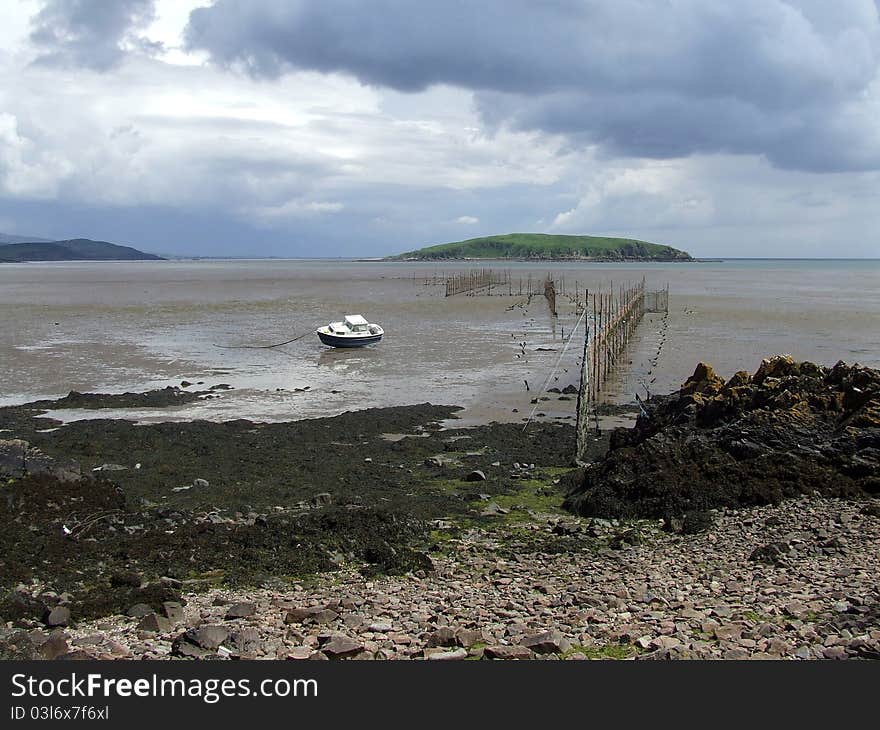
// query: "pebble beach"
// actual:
[[709, 596]]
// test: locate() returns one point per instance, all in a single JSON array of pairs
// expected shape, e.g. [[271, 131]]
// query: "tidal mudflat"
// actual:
[[166, 497]]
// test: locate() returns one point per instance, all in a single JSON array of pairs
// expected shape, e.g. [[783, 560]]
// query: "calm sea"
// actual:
[[133, 326]]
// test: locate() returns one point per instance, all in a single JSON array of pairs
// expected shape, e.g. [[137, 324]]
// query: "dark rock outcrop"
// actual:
[[791, 428]]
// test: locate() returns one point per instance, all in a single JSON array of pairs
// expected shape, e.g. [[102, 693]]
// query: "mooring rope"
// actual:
[[261, 347], [555, 368]]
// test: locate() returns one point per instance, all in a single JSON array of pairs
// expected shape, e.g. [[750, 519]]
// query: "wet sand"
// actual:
[[112, 327]]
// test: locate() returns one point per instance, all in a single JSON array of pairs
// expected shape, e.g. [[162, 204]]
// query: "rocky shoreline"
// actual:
[[378, 535], [791, 428]]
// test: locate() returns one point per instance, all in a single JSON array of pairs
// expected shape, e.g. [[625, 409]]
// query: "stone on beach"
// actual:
[[173, 611], [139, 610], [207, 637], [58, 616], [548, 642], [440, 655], [242, 609], [54, 646], [501, 651], [341, 647], [444, 636], [155, 623]]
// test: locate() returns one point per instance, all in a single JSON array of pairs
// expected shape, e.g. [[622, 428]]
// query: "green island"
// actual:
[[531, 246]]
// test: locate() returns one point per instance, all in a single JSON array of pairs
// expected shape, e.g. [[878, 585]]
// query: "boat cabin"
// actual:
[[356, 323], [352, 323]]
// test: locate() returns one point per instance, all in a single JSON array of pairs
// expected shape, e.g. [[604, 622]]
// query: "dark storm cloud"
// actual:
[[90, 33], [811, 137], [789, 80]]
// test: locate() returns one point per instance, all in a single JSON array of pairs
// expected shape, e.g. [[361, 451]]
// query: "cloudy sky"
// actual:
[[366, 127]]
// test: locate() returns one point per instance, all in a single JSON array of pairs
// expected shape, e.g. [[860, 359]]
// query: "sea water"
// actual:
[[134, 326]]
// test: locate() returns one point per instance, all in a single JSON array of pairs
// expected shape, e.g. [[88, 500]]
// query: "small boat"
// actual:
[[354, 331]]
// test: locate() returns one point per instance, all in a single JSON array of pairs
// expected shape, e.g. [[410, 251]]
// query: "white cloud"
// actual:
[[729, 205], [153, 133], [167, 27], [15, 23], [467, 220], [26, 169], [645, 194]]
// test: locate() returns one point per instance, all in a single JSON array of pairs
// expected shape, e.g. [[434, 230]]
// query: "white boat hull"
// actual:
[[347, 340]]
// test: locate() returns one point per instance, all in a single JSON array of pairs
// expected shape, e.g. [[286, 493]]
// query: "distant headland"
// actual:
[[543, 246], [75, 249]]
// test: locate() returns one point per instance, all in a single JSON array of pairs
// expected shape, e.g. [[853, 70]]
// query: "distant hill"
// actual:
[[76, 249], [545, 246], [14, 238]]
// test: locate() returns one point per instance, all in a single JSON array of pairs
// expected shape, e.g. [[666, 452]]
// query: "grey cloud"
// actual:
[[392, 43], [812, 138], [639, 78], [90, 33]]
